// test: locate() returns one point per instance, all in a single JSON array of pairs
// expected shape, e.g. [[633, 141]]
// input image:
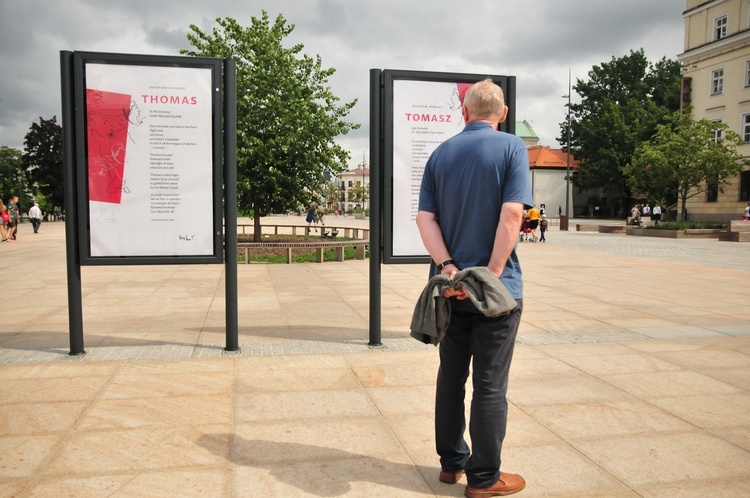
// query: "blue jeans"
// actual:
[[490, 341]]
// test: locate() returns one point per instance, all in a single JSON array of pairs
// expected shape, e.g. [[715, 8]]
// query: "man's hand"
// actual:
[[458, 292]]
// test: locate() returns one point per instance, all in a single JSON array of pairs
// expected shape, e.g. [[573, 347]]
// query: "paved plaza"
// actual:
[[631, 376]]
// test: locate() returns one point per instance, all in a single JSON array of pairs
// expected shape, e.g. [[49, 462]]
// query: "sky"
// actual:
[[537, 41]]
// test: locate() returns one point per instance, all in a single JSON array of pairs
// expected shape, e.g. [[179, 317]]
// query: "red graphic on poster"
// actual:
[[462, 88], [107, 132]]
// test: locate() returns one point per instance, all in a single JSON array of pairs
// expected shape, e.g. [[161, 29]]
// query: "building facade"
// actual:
[[527, 133], [716, 82], [349, 179], [548, 172]]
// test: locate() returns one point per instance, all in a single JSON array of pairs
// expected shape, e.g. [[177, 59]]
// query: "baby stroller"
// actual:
[[525, 230]]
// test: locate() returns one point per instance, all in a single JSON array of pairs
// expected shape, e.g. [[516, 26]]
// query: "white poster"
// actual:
[[150, 163], [425, 114]]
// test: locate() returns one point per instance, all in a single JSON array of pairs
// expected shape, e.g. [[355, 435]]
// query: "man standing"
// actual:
[[473, 193], [35, 215], [656, 214]]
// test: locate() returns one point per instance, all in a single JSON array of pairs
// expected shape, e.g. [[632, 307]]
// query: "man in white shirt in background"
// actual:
[[35, 215]]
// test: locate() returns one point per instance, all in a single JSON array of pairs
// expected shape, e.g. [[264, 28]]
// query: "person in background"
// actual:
[[534, 216], [312, 215], [543, 227], [635, 212], [491, 168], [656, 214], [15, 217], [35, 215], [4, 220], [321, 213]]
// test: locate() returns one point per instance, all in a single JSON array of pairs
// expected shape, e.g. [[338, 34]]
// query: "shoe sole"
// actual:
[[480, 494]]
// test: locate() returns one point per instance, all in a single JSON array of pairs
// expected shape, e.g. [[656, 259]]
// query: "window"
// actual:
[[712, 191], [718, 132], [746, 127], [717, 81], [720, 28], [747, 74], [745, 186]]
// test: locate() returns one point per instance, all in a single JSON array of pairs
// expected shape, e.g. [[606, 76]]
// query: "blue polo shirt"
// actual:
[[466, 181]]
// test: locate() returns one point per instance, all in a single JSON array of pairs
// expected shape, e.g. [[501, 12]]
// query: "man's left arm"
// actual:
[[506, 235]]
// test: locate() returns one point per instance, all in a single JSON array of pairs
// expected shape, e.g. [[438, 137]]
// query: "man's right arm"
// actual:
[[432, 238]]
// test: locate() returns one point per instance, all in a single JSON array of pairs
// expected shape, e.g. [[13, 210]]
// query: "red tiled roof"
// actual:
[[358, 172], [541, 156]]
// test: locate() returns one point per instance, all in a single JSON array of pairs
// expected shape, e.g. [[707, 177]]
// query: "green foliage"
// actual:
[[43, 159], [331, 193], [687, 225], [621, 104], [359, 193], [683, 158], [287, 116], [44, 204], [298, 255], [11, 170]]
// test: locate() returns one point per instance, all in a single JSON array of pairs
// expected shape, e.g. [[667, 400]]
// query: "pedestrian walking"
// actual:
[[35, 215], [543, 228]]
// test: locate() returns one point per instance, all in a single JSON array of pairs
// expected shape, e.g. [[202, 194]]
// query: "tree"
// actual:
[[331, 193], [359, 194], [287, 116], [684, 158], [621, 104], [43, 159], [11, 170]]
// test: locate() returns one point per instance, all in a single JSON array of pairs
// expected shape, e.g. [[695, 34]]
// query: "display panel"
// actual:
[[150, 170], [421, 111]]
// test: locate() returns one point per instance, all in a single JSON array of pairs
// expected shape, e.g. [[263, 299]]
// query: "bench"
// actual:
[[737, 231], [612, 228], [349, 232], [360, 245]]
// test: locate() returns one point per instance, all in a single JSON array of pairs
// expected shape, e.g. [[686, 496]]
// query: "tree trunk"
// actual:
[[256, 227], [683, 211]]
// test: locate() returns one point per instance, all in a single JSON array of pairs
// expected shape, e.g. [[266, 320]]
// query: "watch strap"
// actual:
[[445, 263]]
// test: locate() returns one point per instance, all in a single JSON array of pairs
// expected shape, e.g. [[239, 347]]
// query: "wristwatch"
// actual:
[[445, 263]]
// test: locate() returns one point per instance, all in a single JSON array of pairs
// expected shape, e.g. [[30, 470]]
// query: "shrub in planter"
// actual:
[[687, 225]]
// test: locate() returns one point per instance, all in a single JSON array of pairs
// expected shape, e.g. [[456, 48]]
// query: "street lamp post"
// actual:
[[567, 170], [363, 183]]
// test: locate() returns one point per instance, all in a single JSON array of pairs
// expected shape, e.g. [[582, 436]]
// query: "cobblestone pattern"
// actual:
[[297, 347], [704, 251], [175, 351]]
